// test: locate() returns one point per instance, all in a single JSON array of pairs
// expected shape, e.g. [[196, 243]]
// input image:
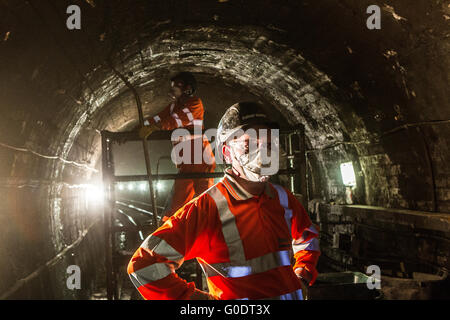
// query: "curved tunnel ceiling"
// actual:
[[245, 57]]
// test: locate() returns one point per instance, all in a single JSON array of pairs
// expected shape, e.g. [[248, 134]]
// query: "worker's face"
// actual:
[[178, 88], [255, 150]]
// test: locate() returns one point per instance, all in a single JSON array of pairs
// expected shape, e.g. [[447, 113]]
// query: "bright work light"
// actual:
[[348, 174], [143, 186]]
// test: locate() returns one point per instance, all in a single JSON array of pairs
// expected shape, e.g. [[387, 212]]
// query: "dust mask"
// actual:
[[253, 166]]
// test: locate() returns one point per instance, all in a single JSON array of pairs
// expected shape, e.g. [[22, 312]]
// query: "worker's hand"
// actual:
[[304, 285], [305, 278], [145, 131], [202, 295]]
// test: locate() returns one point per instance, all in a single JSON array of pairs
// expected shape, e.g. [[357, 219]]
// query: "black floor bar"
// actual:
[[175, 176]]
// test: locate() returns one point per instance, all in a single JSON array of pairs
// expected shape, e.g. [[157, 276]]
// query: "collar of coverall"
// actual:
[[237, 191]]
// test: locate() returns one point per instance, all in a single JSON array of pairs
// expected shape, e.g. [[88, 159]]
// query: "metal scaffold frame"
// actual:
[[296, 170]]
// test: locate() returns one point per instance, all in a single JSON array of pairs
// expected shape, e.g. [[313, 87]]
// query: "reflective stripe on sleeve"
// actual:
[[313, 229], [177, 119], [157, 118], [188, 114], [146, 123], [162, 248], [310, 245], [307, 231], [149, 274]]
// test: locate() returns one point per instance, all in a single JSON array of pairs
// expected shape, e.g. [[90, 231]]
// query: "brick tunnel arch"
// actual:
[[297, 91]]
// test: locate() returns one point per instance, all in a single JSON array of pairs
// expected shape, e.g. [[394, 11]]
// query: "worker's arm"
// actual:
[[157, 119], [305, 242], [152, 124], [191, 114], [152, 267]]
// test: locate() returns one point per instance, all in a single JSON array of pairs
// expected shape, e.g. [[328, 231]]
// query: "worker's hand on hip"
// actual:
[[305, 277], [145, 131], [202, 295], [304, 285]]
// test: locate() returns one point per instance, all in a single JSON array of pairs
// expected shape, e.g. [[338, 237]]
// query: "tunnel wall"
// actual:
[[28, 217], [400, 242], [45, 210], [408, 172]]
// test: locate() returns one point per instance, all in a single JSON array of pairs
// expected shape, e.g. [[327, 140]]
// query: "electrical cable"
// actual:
[[74, 163]]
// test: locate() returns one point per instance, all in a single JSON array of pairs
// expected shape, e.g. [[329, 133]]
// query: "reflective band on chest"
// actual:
[[283, 197], [229, 228], [260, 264], [239, 266]]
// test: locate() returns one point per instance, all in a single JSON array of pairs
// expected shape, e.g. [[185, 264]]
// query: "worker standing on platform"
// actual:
[[253, 239], [186, 111]]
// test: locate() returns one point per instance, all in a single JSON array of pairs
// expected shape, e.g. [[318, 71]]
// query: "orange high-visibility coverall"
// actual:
[[248, 246], [186, 115]]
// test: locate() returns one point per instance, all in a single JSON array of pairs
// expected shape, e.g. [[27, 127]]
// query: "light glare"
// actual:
[[94, 194]]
